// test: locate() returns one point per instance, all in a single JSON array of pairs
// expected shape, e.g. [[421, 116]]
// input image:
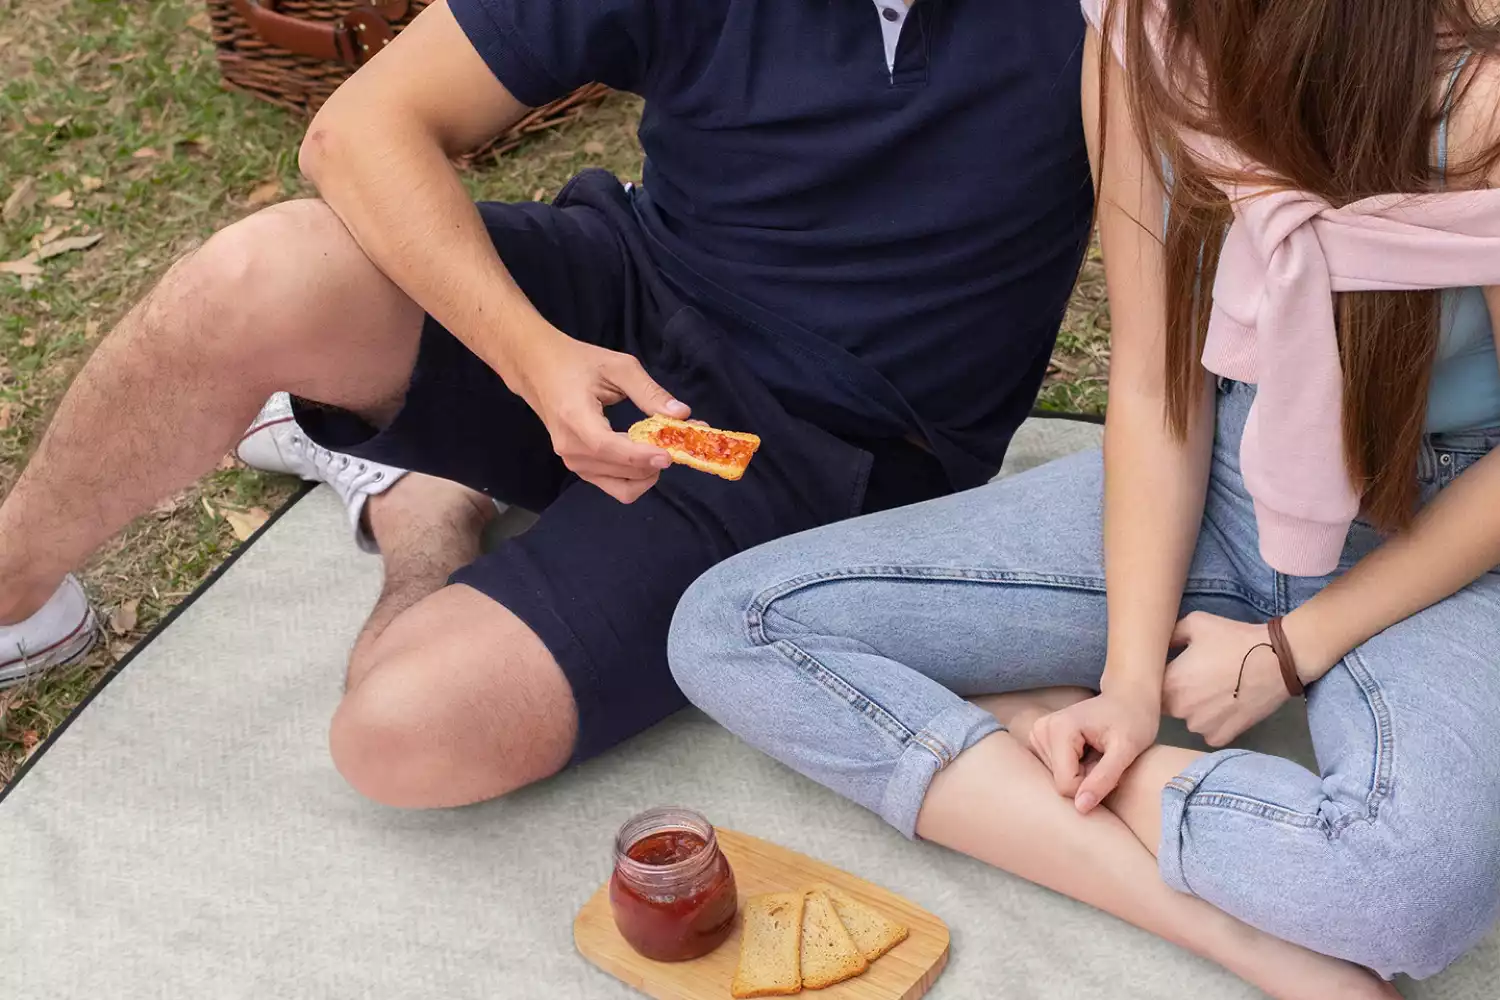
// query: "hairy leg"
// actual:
[[426, 528], [997, 803], [284, 299], [457, 702]]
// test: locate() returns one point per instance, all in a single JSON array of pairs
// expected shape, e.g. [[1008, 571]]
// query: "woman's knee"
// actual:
[[711, 635], [1402, 884], [1430, 902]]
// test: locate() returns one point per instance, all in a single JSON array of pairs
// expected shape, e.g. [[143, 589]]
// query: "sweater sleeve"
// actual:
[[1292, 453]]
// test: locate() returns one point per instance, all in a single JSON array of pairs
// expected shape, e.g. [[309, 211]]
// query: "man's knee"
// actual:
[[239, 286], [449, 722], [382, 749]]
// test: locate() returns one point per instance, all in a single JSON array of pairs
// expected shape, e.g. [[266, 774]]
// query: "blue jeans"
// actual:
[[847, 653]]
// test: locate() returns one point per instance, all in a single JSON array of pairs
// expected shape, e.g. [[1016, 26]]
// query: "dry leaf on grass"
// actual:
[[9, 411], [25, 267], [63, 199], [594, 148], [246, 523], [144, 153], [68, 245], [264, 194], [22, 197], [49, 234], [123, 619], [200, 22], [91, 183]]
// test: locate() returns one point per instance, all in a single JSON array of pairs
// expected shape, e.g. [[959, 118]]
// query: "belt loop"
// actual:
[[1427, 466]]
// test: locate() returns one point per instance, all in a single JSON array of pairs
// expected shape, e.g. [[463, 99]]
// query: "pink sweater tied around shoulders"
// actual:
[[1272, 325]]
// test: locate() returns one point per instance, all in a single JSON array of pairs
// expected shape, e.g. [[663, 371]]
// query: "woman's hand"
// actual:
[[1119, 726], [1200, 683]]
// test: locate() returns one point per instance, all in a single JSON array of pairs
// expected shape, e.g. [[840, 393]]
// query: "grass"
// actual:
[[113, 125]]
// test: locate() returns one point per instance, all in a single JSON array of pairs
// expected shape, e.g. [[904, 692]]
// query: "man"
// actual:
[[856, 235]]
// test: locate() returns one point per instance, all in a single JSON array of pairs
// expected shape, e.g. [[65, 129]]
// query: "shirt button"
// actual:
[[890, 14]]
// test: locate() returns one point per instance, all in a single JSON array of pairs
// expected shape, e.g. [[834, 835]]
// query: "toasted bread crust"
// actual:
[[829, 954], [645, 432], [873, 932], [770, 946]]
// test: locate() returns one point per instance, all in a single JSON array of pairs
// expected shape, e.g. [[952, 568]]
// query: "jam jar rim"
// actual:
[[658, 820]]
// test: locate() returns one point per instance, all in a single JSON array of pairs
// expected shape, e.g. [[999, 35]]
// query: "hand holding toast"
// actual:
[[568, 384]]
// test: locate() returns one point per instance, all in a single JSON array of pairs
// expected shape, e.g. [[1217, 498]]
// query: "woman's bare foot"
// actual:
[[1290, 972]]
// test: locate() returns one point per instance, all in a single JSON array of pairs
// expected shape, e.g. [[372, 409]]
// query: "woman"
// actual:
[[1294, 156]]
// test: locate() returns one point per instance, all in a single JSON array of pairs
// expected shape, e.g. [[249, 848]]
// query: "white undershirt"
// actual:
[[890, 27]]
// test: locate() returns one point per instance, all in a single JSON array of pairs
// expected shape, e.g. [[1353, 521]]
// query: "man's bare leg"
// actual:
[[457, 701], [450, 698], [282, 300], [426, 528]]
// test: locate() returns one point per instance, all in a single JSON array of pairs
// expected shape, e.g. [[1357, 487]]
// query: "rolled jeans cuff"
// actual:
[[927, 752], [1174, 804]]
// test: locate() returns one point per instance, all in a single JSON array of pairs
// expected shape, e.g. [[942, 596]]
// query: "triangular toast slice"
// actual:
[[873, 932]]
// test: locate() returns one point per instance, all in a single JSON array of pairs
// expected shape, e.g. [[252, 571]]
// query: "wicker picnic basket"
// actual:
[[295, 52]]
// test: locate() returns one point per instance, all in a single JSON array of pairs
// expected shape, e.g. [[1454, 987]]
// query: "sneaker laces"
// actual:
[[344, 473]]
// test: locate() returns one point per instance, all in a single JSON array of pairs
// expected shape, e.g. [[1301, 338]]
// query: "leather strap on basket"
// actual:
[[352, 40]]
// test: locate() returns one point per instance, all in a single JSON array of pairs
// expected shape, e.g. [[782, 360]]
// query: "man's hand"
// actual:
[[1118, 726], [569, 383], [1200, 682]]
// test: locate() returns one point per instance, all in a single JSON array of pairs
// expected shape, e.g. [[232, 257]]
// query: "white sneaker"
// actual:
[[275, 443], [63, 631]]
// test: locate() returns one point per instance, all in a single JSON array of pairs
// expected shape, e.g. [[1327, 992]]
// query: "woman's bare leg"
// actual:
[[997, 803]]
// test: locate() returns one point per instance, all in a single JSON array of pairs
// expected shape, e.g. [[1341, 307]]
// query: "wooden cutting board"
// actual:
[[904, 973]]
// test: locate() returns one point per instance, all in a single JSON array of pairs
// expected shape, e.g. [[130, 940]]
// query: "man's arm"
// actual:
[[378, 153]]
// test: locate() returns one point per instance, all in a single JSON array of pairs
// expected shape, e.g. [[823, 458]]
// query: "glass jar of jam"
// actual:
[[673, 893]]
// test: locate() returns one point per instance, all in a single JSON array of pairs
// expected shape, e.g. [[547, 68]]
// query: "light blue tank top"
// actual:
[[1465, 390]]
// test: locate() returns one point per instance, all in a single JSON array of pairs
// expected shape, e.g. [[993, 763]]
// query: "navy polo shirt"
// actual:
[[889, 234]]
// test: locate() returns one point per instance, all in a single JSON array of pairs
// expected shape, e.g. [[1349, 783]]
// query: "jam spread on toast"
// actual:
[[707, 445]]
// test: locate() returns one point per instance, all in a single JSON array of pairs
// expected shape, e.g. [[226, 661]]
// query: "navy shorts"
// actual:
[[595, 579]]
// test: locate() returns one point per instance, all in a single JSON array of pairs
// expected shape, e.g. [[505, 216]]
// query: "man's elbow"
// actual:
[[320, 148]]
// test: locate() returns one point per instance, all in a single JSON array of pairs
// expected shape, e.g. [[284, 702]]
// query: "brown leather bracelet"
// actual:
[[1283, 651]]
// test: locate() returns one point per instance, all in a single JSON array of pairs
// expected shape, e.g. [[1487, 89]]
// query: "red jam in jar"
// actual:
[[673, 893]]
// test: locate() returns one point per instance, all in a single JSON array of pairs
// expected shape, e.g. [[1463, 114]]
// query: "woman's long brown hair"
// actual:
[[1340, 98]]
